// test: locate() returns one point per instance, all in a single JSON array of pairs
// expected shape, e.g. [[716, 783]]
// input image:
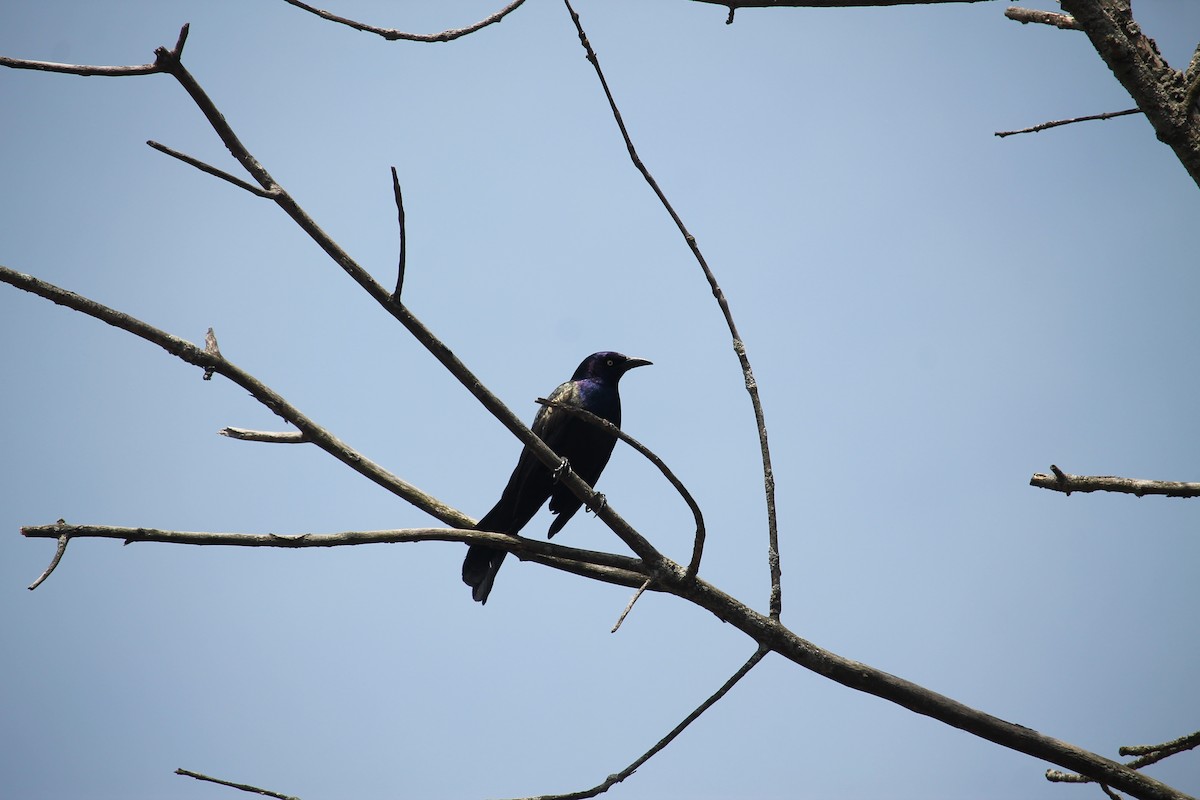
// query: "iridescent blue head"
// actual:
[[607, 367]]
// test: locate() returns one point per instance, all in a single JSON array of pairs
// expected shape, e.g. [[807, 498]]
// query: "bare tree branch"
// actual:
[[587, 416], [1149, 754], [58, 554], [732, 4], [274, 437], [629, 607], [190, 353], [392, 34], [211, 170], [240, 786], [1058, 122], [739, 347], [1066, 483], [1027, 15], [400, 221], [1159, 91], [606, 567], [613, 780]]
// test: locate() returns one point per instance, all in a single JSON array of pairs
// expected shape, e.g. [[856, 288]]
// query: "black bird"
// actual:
[[585, 446]]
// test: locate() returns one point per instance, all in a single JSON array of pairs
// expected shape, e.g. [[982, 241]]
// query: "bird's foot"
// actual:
[[600, 502], [562, 467]]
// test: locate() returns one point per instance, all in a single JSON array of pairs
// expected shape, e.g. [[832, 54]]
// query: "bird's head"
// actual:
[[607, 366]]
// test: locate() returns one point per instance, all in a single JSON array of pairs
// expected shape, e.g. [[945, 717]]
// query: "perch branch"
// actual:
[[1066, 483], [739, 347], [1059, 122], [391, 34], [607, 567], [634, 540], [190, 353], [587, 416]]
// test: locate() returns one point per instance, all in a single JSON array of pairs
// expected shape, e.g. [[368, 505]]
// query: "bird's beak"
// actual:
[[637, 362]]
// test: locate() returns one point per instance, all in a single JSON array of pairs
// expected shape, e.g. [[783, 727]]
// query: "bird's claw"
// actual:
[[598, 504], [562, 467]]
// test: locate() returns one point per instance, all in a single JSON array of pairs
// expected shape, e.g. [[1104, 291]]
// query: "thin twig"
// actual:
[[208, 168], [613, 780], [1160, 751], [400, 220], [1066, 483], [600, 422], [1059, 122], [191, 354], [241, 786], [629, 607], [739, 347], [392, 34], [58, 554], [732, 4], [1026, 15], [274, 437]]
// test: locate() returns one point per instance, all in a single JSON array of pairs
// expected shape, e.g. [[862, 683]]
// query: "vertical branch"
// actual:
[[739, 347], [400, 217]]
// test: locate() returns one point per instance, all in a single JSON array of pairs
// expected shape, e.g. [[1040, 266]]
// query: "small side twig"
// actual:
[[211, 170], [587, 416], [739, 346], [1026, 15], [1066, 483], [239, 786], [392, 34], [400, 219], [613, 780], [1060, 122], [1149, 754], [58, 554], [628, 608], [273, 437]]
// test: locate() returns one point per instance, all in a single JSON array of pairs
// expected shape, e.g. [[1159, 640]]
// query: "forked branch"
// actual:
[[1066, 483]]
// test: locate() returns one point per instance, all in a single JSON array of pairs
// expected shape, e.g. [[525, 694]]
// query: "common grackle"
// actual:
[[585, 447]]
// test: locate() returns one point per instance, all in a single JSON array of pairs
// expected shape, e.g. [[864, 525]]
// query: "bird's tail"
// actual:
[[480, 568]]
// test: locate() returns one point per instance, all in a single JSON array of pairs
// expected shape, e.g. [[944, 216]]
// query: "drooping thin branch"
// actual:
[[392, 34], [607, 567], [400, 219], [274, 437], [191, 354], [613, 780], [732, 4], [587, 416], [240, 786], [739, 347], [1026, 15], [1059, 122], [58, 554], [1066, 483], [629, 607]]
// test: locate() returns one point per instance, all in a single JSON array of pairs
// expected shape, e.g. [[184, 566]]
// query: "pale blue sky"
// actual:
[[933, 314]]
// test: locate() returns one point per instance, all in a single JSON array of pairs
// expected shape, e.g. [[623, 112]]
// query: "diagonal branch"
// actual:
[[1060, 122], [739, 347], [613, 780], [244, 787], [1066, 483], [392, 34], [190, 353]]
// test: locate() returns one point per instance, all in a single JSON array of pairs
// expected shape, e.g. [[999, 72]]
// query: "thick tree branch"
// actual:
[[1159, 91], [392, 34], [739, 347], [1147, 754], [1066, 483]]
